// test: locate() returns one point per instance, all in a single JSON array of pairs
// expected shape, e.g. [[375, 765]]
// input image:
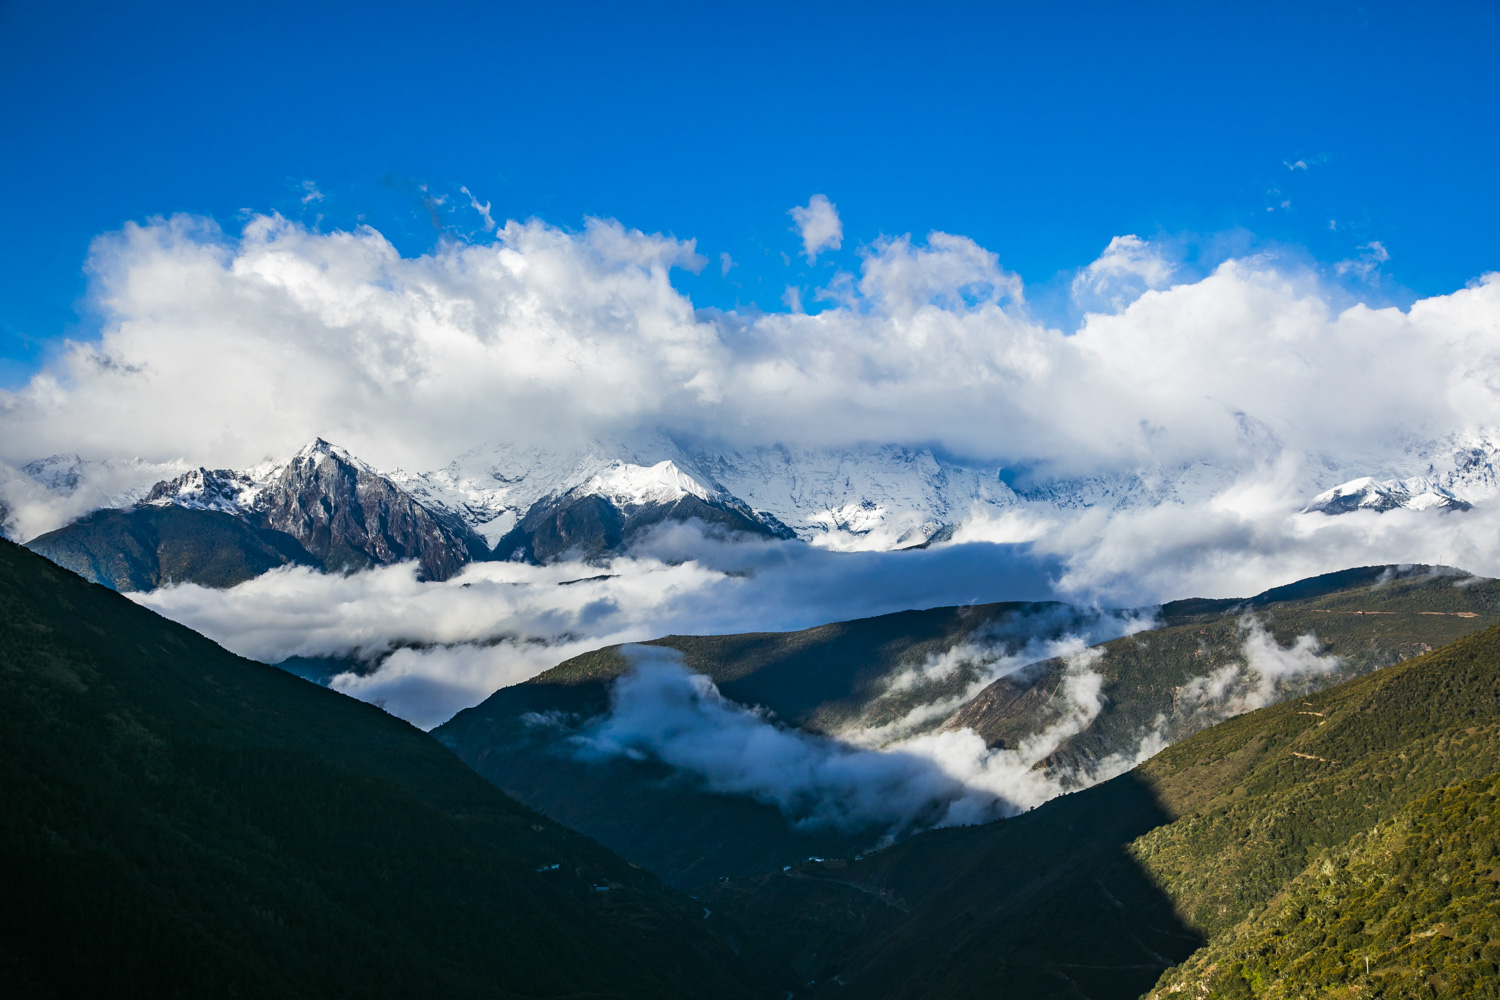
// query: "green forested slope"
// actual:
[[1266, 800], [1408, 908], [1237, 827], [178, 821]]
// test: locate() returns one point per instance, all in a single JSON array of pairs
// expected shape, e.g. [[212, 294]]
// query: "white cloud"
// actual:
[[661, 710], [483, 210], [450, 643], [792, 298], [818, 224], [223, 350], [1367, 264], [1128, 267]]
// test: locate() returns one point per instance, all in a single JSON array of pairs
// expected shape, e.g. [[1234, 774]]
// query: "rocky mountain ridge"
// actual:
[[599, 498], [326, 508]]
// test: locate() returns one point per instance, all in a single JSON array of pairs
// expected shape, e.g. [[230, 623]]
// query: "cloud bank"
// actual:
[[662, 711], [221, 349], [443, 646]]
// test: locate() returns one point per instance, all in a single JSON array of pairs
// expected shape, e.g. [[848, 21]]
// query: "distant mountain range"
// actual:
[[324, 507]]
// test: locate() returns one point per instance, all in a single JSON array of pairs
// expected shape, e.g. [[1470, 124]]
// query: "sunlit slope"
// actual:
[[1406, 909], [1266, 800], [178, 821], [1260, 834]]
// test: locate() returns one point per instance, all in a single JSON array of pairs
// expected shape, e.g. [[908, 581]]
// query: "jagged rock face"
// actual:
[[351, 518], [203, 489]]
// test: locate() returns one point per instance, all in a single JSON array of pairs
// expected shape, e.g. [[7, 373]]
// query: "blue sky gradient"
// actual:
[[1039, 130]]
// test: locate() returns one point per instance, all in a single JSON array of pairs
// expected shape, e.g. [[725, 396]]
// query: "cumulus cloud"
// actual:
[[221, 349], [819, 226], [1128, 267], [1228, 398]]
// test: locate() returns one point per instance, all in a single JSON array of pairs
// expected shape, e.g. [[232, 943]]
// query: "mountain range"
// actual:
[[324, 507], [181, 821]]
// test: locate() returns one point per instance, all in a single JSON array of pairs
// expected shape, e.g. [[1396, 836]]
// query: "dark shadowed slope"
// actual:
[[178, 821], [142, 548], [816, 679], [1297, 840]]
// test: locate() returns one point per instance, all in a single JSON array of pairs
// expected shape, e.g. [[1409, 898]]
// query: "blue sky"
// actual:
[[1039, 130]]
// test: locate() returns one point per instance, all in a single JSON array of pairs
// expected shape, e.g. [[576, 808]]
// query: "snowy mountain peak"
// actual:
[[317, 450], [1368, 493], [202, 489], [61, 473], [634, 485]]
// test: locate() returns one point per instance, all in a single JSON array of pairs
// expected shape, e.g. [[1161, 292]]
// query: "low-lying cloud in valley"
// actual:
[[1164, 448], [442, 646], [660, 709]]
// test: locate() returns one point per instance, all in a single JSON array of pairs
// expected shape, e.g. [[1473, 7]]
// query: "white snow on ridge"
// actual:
[[201, 489], [871, 497], [634, 485], [1367, 493], [865, 497], [493, 486], [48, 493]]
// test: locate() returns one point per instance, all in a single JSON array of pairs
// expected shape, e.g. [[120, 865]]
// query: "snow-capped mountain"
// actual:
[[508, 502], [616, 506], [876, 497], [322, 507], [223, 490], [1367, 493]]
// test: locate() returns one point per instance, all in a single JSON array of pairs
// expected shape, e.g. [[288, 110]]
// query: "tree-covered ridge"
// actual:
[[178, 821], [1407, 909], [1270, 797]]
